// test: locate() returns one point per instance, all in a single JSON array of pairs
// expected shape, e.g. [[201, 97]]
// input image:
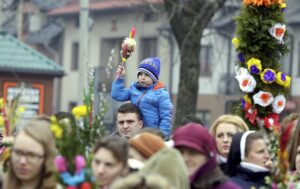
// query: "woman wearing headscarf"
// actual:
[[248, 160], [198, 150]]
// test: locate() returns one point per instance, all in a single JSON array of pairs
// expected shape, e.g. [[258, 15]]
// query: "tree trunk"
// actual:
[[188, 19]]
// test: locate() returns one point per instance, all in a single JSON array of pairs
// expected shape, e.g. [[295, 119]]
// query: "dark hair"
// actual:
[[117, 145], [130, 108], [250, 139], [151, 130], [191, 119]]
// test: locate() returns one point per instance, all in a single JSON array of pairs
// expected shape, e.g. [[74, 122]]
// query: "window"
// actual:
[[205, 60], [148, 48], [75, 56], [77, 22], [150, 17]]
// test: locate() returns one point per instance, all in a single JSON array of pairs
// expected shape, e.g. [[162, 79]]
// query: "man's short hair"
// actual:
[[191, 119], [130, 108]]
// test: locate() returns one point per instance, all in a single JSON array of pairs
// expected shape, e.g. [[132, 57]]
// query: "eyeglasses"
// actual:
[[31, 157]]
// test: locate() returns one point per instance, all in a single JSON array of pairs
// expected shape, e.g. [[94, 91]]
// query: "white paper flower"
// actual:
[[263, 98], [279, 104], [241, 71], [278, 31], [247, 82]]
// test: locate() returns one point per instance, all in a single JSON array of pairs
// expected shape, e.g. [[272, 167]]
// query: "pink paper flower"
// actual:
[[79, 162], [60, 163]]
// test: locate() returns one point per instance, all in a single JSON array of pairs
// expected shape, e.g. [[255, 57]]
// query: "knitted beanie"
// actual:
[[196, 137], [150, 66], [147, 144]]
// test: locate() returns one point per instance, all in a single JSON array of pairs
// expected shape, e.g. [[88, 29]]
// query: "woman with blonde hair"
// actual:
[[222, 130], [31, 165], [164, 170]]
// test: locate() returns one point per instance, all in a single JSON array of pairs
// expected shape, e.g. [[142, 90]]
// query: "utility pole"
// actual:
[[20, 21], [83, 48]]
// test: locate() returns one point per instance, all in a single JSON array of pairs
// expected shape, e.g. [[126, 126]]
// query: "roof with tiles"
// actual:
[[18, 57], [73, 6]]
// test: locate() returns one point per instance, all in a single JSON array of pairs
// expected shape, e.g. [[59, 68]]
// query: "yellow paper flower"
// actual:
[[268, 76], [6, 154], [254, 66], [265, 3], [53, 119], [236, 42], [57, 131], [1, 121], [247, 99], [282, 5], [80, 111], [1, 103], [283, 80]]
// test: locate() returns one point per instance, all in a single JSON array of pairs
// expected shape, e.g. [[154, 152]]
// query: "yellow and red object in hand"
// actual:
[[127, 47]]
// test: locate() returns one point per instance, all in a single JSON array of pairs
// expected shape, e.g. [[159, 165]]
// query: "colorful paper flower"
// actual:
[[283, 79], [265, 3], [80, 111], [6, 154], [241, 71], [254, 66], [263, 98], [246, 103], [236, 42], [57, 130], [282, 5], [61, 164], [241, 57], [279, 104], [85, 185], [247, 83], [79, 163], [268, 76], [277, 31], [271, 120], [251, 115]]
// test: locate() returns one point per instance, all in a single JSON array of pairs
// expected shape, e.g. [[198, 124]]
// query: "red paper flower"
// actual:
[[251, 115], [71, 187], [85, 185], [272, 120]]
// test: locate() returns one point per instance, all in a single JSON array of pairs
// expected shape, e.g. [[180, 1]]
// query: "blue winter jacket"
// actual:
[[153, 101]]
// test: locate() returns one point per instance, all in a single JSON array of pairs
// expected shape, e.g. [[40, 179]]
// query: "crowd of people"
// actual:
[[144, 152], [136, 157]]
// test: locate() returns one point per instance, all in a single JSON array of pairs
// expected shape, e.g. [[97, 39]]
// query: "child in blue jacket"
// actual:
[[147, 93]]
